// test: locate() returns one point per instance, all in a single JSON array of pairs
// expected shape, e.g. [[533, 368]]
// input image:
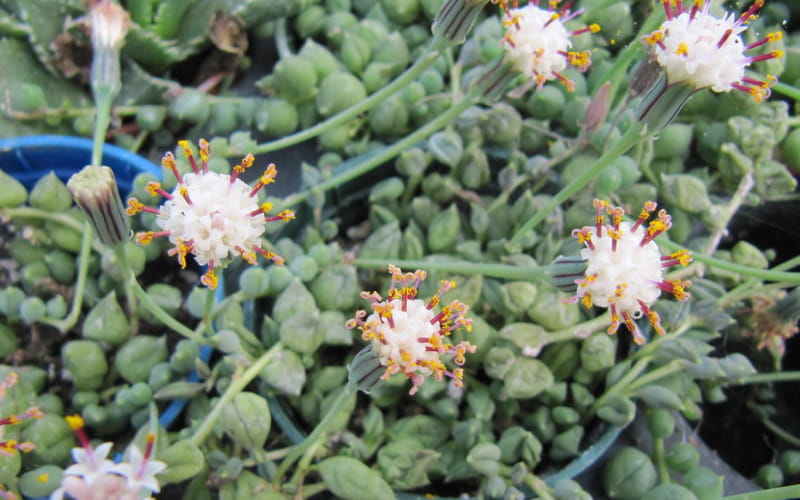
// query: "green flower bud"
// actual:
[[769, 476], [85, 363], [191, 105], [339, 91], [660, 423], [13, 192], [285, 373], [669, 491], [246, 420], [455, 19], [53, 439], [184, 460], [617, 410], [107, 322], [567, 444], [32, 310], [295, 78], [704, 483], [336, 288], [366, 370], [95, 191], [629, 474], [276, 117], [661, 103], [41, 481], [137, 357], [49, 193]]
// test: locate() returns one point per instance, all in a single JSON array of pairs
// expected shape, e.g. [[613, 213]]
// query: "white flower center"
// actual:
[[217, 220], [638, 267], [691, 53], [409, 326], [536, 41]]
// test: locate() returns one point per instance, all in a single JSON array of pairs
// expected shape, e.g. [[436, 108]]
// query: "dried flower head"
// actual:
[[110, 23], [705, 51], [624, 267], [537, 41], [212, 216], [406, 333]]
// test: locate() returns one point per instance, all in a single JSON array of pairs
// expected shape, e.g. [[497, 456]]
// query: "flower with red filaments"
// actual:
[[408, 336], [537, 42], [705, 51], [624, 267], [210, 215]]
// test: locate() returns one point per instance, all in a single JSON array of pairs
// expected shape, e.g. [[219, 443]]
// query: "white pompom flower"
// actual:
[[705, 51], [624, 267], [408, 336], [537, 41], [213, 216]]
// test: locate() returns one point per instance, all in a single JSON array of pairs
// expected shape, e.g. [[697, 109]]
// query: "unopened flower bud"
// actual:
[[110, 24], [456, 18], [366, 370], [95, 191]]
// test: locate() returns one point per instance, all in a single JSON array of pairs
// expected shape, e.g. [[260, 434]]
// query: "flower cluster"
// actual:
[[408, 336], [695, 47], [210, 215], [9, 447], [93, 476], [537, 41], [624, 267]]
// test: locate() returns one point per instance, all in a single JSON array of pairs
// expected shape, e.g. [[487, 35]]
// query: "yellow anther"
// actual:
[[775, 36], [266, 207], [75, 422], [204, 150], [210, 279], [152, 188], [287, 215], [776, 53], [43, 478], [586, 300], [134, 206], [682, 49], [145, 237], [594, 27]]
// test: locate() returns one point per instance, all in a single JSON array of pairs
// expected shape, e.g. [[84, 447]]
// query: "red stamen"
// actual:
[[187, 152]]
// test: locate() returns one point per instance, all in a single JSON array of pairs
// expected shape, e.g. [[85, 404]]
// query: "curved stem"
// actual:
[[376, 159], [236, 386], [771, 494], [780, 431], [281, 39], [101, 121], [68, 322], [162, 315], [631, 137], [659, 456], [324, 426], [673, 366], [763, 378], [397, 84]]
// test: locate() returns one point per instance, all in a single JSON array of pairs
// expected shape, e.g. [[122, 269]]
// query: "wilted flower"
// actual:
[[212, 216], [624, 267], [537, 41], [110, 24], [408, 336], [695, 47]]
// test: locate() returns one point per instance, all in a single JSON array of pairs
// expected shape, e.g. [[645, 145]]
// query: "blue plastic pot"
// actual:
[[29, 158]]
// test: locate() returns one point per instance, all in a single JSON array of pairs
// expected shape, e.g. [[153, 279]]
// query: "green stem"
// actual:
[[324, 426], [620, 386], [539, 487], [673, 366], [463, 267], [579, 331], [780, 432], [631, 137], [282, 39], [659, 455], [343, 116], [781, 493], [68, 322], [162, 315], [387, 153], [787, 90], [101, 121], [236, 386], [763, 378], [790, 278]]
